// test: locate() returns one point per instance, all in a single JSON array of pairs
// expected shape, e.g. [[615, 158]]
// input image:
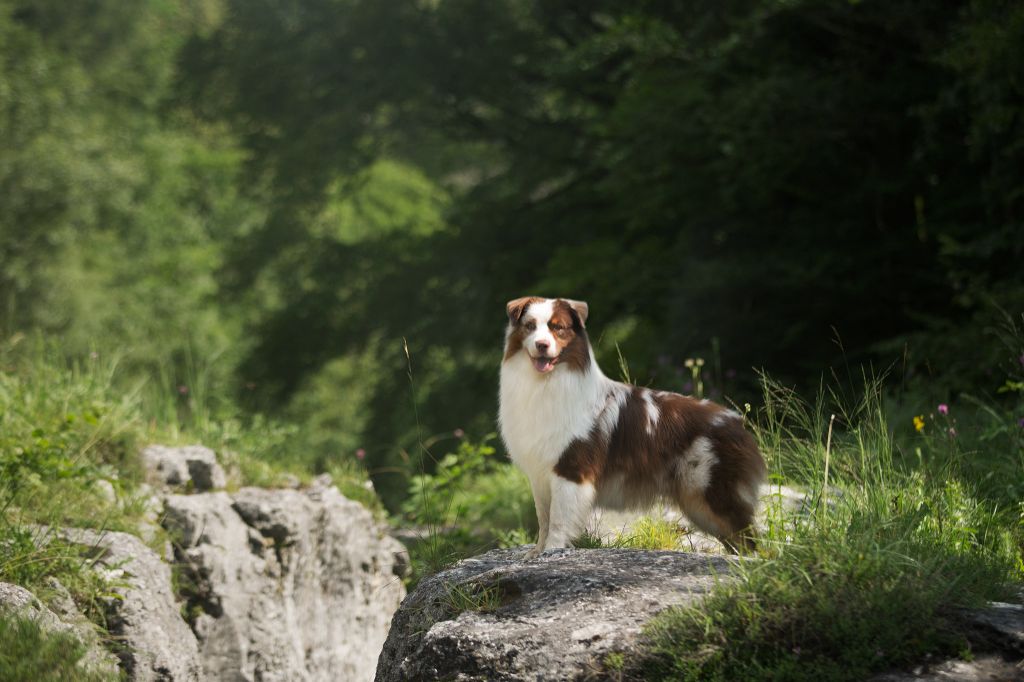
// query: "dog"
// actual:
[[584, 440]]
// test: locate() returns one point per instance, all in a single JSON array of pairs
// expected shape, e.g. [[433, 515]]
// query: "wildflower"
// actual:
[[458, 433], [688, 362], [919, 422], [952, 432], [943, 408], [183, 390], [360, 453]]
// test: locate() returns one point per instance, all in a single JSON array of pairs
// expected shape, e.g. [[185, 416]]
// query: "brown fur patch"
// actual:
[[643, 458], [517, 306], [567, 328]]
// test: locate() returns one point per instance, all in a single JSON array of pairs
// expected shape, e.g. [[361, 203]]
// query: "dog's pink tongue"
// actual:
[[544, 364]]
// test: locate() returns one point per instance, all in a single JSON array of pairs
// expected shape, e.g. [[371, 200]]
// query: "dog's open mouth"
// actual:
[[543, 365]]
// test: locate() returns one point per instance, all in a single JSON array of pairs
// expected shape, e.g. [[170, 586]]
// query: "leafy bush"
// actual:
[[471, 488], [472, 502]]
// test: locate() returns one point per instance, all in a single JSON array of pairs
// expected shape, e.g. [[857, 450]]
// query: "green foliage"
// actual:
[[860, 151], [472, 502], [65, 429], [27, 654], [31, 556], [471, 487]]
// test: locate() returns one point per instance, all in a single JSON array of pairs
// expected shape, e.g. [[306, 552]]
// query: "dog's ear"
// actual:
[[581, 308], [517, 306]]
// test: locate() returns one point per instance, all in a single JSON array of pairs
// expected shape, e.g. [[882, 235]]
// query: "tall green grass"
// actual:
[[871, 575]]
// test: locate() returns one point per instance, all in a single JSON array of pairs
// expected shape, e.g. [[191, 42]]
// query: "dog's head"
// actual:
[[549, 330]]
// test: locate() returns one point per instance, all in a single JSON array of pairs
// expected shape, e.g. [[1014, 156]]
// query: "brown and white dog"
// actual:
[[584, 440]]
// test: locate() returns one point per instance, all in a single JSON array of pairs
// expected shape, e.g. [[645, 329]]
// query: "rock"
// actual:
[[1001, 624], [553, 618], [997, 631], [106, 491], [158, 644], [174, 467], [285, 584], [19, 601], [987, 668]]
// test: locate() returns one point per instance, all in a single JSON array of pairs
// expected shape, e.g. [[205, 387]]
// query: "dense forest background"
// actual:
[[313, 211]]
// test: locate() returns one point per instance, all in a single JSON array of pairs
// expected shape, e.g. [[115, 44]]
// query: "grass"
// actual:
[[872, 578], [647, 532], [472, 597], [28, 654]]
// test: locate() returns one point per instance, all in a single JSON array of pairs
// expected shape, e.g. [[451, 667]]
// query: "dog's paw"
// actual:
[[534, 553]]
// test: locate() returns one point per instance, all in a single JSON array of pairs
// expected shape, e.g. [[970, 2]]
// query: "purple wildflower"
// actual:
[[458, 433], [183, 390], [943, 408], [360, 454]]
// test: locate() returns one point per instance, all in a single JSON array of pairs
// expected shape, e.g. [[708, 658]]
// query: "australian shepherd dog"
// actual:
[[584, 440]]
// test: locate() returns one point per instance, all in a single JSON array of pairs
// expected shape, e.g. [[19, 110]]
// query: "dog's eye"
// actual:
[[558, 327], [531, 325]]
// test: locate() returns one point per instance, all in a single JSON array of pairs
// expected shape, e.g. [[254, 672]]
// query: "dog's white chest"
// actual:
[[540, 415]]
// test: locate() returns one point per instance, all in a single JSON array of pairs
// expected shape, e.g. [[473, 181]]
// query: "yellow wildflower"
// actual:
[[919, 422]]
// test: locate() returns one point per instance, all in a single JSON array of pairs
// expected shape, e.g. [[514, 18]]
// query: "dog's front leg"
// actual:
[[542, 501], [570, 506]]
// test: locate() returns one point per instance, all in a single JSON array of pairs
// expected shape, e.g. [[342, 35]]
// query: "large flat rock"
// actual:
[[498, 617]]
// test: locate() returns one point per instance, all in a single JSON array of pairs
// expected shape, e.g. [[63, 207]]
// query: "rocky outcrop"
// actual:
[[285, 584], [192, 467], [64, 619], [499, 617], [154, 642]]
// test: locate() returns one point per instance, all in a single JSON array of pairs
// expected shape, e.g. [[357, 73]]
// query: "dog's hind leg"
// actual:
[[733, 527], [570, 506], [542, 502]]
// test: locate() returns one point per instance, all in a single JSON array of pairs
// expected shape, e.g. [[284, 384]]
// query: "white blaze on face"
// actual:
[[540, 314]]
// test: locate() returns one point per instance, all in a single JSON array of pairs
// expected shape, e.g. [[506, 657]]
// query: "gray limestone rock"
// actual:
[[66, 619], [146, 619], [176, 467], [285, 584], [498, 617]]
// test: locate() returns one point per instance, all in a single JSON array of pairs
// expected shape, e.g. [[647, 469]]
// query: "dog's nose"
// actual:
[[543, 346]]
